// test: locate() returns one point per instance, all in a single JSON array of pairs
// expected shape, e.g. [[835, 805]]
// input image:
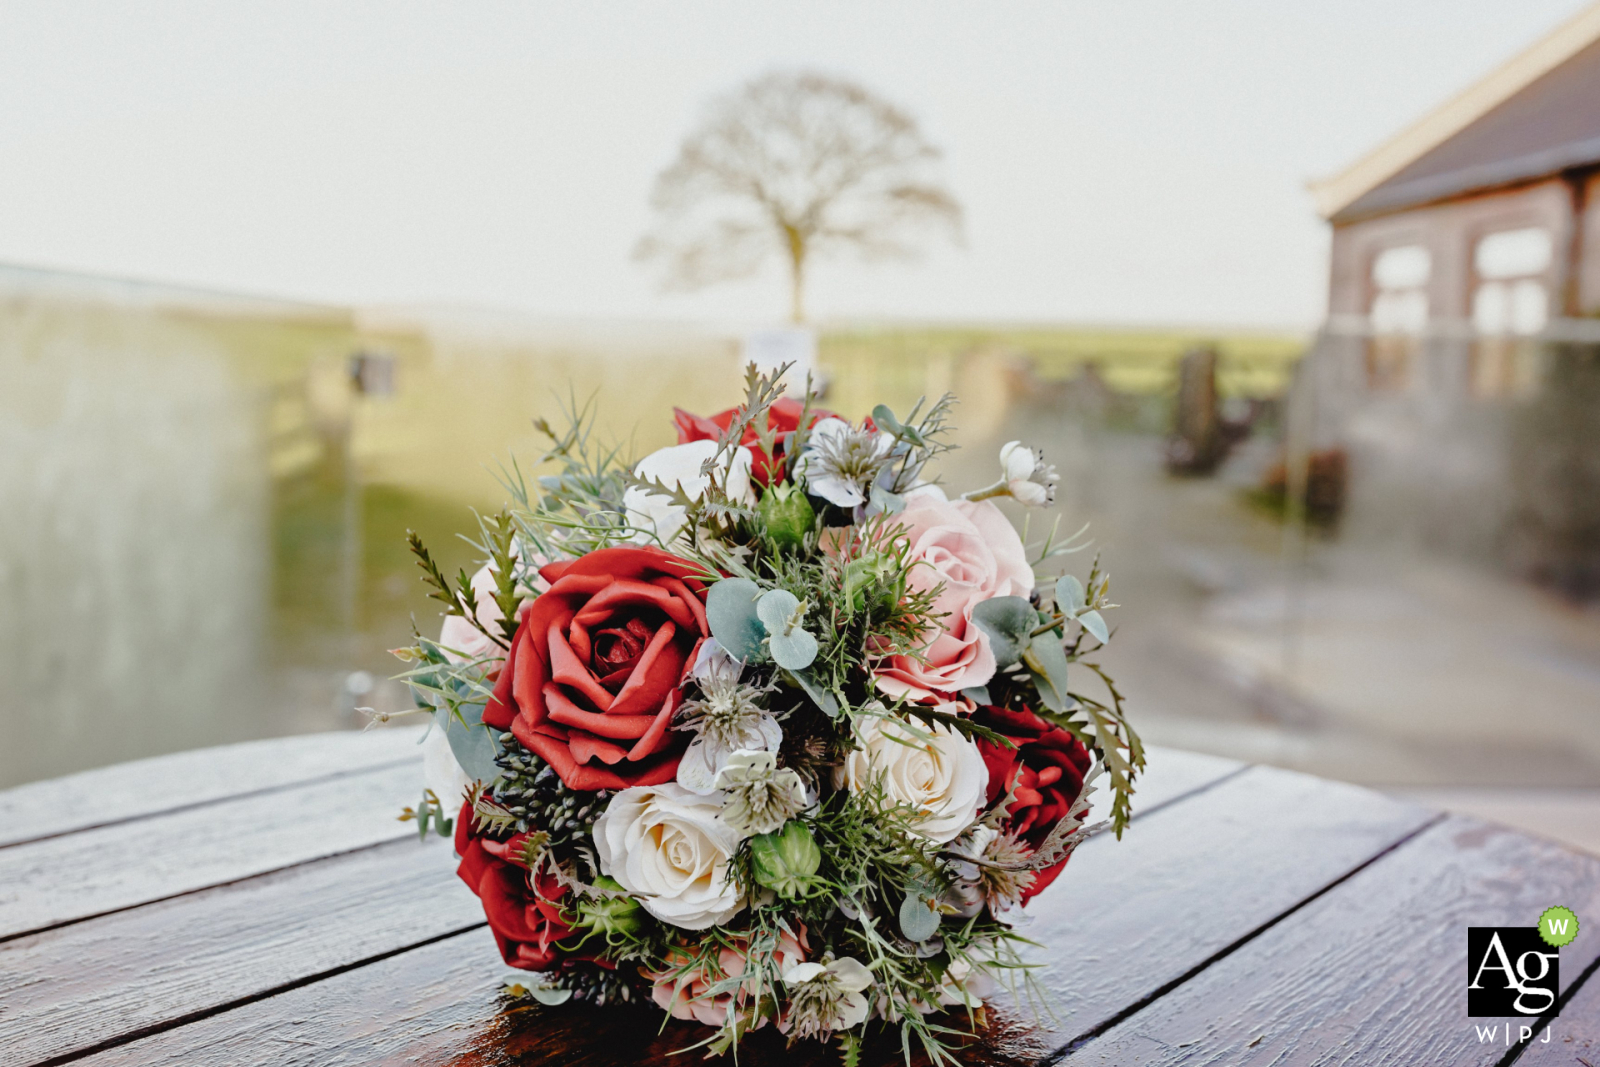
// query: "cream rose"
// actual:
[[973, 551], [679, 467], [944, 777], [671, 848]]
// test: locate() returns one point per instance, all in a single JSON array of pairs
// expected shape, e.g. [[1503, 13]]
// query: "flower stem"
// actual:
[[999, 488]]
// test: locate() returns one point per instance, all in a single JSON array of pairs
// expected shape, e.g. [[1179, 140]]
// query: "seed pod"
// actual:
[[787, 515], [786, 861]]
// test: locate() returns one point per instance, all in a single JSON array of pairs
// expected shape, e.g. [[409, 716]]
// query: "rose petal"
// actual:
[[621, 727], [566, 669], [654, 738], [586, 747], [659, 669]]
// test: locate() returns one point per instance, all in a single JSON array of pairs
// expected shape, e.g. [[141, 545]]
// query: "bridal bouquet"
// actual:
[[767, 728]]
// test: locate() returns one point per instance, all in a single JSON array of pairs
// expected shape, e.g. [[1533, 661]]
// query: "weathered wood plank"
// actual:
[[459, 1014], [1170, 773], [145, 967], [1187, 881], [76, 988], [145, 787], [62, 879], [438, 1004], [1574, 1037], [1373, 972]]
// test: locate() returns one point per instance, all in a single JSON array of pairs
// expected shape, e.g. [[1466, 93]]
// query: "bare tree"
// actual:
[[799, 165]]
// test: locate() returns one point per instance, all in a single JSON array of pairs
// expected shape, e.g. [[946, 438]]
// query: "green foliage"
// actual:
[[429, 811], [1008, 621]]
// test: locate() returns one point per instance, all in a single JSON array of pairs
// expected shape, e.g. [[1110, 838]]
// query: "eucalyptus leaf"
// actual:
[[731, 612], [978, 694], [793, 647], [918, 921], [1095, 623], [1007, 620], [776, 608], [819, 696], [1069, 594], [473, 744], [883, 502], [793, 651], [1046, 661], [884, 419]]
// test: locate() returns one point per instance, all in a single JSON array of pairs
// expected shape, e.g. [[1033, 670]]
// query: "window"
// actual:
[[1511, 301], [1399, 313]]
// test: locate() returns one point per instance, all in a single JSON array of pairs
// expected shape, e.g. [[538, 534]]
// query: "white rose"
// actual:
[[679, 467], [442, 774], [944, 777], [671, 848]]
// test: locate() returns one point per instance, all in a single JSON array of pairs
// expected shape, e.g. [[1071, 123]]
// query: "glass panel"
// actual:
[[1405, 311], [1513, 253], [1529, 306], [1491, 308], [1403, 267]]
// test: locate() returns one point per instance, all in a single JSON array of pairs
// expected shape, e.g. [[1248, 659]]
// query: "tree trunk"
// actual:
[[797, 263]]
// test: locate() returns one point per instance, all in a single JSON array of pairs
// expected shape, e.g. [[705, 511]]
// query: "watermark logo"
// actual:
[[1512, 970], [1558, 926]]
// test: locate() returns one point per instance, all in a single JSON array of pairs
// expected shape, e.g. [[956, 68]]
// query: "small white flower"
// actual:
[[670, 848], [678, 467], [1028, 477], [714, 662], [943, 778], [840, 462], [726, 719], [758, 797], [827, 997]]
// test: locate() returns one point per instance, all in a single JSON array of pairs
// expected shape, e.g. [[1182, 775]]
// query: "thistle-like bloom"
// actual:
[[1000, 882], [1028, 477], [840, 462], [758, 797], [825, 997], [728, 719]]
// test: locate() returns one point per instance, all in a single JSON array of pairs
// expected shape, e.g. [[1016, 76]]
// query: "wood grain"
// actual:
[[440, 1005], [1169, 775], [62, 879], [1373, 972], [74, 988], [1187, 881], [449, 1011], [145, 787], [1575, 1036]]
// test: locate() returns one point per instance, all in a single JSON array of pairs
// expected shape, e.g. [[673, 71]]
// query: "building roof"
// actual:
[[1537, 114]]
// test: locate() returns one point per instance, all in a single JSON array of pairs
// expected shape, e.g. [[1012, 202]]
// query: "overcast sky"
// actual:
[[1120, 160]]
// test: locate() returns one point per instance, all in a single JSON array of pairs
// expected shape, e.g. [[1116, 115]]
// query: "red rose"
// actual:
[[526, 923], [1047, 767], [783, 417], [591, 681]]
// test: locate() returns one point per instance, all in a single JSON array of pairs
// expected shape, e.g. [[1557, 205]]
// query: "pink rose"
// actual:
[[685, 990], [973, 550]]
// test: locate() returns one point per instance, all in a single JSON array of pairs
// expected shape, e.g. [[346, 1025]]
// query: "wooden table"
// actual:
[[260, 904]]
